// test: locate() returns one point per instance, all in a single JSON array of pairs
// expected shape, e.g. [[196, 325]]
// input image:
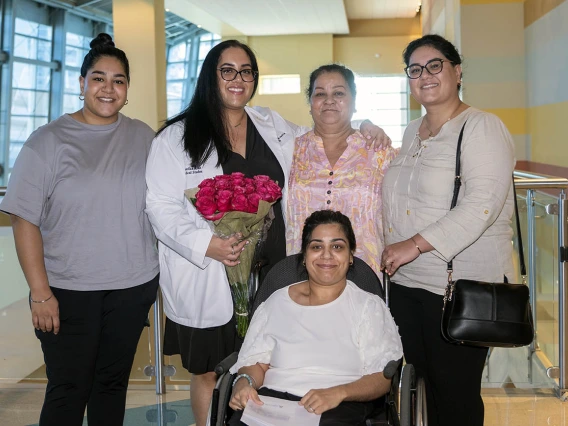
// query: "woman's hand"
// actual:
[[318, 401], [45, 316], [226, 250], [398, 254], [242, 392], [375, 136]]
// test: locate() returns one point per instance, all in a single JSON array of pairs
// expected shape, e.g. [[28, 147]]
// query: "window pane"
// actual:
[[177, 53], [74, 56], [175, 90], [43, 78], [23, 102], [384, 100], [41, 104], [174, 107], [74, 40], [23, 76], [71, 103], [204, 49], [176, 71], [45, 32], [26, 27], [44, 51], [25, 47], [72, 81]]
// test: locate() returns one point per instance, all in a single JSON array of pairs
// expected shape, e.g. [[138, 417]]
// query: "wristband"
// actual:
[[40, 301], [416, 245], [245, 376]]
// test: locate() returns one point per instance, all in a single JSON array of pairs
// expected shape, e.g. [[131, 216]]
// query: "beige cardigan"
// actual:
[[417, 193]]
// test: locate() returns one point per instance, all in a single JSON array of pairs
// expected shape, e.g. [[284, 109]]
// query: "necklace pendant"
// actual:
[[408, 212], [390, 228]]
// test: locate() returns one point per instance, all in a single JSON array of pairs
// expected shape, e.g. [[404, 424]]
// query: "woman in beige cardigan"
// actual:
[[422, 234]]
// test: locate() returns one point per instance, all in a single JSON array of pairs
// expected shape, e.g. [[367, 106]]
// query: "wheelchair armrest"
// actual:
[[226, 364], [391, 368]]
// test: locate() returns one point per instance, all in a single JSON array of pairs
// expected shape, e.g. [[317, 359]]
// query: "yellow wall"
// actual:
[[547, 125], [360, 53], [293, 54]]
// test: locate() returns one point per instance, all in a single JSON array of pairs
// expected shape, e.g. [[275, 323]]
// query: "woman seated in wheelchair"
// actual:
[[323, 342]]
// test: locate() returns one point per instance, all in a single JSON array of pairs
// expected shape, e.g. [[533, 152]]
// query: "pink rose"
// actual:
[[206, 205], [253, 200], [249, 189], [240, 203], [238, 190], [206, 191], [237, 175], [206, 182], [224, 198], [261, 178], [223, 183]]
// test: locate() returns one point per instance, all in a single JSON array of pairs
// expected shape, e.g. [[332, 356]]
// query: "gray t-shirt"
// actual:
[[84, 187]]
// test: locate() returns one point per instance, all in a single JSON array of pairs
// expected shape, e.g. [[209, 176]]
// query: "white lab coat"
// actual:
[[195, 287]]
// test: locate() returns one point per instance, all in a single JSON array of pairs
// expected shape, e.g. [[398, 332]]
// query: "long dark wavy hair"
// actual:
[[205, 129]]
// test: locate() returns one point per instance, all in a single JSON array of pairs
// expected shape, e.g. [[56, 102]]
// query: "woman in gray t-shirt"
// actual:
[[76, 198]]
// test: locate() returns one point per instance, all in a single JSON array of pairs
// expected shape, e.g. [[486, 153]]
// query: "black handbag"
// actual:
[[478, 313]]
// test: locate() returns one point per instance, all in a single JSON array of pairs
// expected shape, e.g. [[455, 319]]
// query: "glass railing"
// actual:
[[541, 365]]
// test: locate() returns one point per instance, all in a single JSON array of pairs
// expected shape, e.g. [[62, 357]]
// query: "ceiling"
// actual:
[[257, 17], [277, 17]]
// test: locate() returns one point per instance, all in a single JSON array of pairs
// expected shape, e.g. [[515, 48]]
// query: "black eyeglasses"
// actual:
[[229, 74], [433, 66]]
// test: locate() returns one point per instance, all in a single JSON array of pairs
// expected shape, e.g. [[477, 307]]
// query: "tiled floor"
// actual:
[[20, 405]]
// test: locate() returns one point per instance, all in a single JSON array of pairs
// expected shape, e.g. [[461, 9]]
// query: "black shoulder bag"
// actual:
[[478, 313]]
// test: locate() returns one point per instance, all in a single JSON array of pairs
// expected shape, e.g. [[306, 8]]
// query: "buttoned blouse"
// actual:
[[417, 192], [352, 186]]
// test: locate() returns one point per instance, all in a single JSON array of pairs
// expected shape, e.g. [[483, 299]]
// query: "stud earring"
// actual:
[[351, 263], [126, 103], [304, 263]]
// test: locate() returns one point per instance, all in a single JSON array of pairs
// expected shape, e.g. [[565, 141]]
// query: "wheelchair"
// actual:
[[404, 405]]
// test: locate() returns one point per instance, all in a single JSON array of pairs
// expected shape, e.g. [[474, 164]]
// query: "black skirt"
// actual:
[[201, 349]]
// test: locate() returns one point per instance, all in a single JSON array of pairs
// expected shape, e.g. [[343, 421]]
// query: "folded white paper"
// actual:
[[278, 412]]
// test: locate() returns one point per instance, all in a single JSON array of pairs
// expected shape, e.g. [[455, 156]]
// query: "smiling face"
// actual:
[[235, 94], [331, 101], [105, 88], [328, 255], [435, 89]]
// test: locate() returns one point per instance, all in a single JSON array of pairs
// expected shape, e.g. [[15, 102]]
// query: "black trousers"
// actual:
[[345, 414], [89, 361], [452, 372]]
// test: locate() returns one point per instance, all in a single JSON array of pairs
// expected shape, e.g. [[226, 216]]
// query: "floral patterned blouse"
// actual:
[[352, 186]]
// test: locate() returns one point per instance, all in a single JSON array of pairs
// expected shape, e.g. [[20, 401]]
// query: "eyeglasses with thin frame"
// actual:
[[433, 66], [229, 74]]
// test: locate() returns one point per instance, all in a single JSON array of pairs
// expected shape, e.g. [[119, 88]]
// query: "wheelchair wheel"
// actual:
[[393, 400], [407, 395], [220, 402], [421, 411]]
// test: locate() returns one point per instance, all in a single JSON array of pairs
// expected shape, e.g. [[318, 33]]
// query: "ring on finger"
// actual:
[[233, 250]]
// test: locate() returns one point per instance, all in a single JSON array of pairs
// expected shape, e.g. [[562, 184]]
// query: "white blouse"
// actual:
[[315, 347]]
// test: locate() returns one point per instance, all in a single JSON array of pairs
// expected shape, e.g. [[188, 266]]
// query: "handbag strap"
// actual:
[[457, 185]]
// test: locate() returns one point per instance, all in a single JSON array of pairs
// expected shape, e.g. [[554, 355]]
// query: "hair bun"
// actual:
[[103, 39]]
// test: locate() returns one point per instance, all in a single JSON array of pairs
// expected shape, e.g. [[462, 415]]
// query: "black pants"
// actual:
[[452, 372], [345, 414], [89, 361]]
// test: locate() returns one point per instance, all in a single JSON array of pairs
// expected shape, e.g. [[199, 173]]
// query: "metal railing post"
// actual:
[[531, 245], [562, 293], [158, 350]]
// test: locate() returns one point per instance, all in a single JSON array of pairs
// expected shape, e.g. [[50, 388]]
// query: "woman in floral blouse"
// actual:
[[333, 169]]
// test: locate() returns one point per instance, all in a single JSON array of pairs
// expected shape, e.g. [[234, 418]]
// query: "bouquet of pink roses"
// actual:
[[237, 204]]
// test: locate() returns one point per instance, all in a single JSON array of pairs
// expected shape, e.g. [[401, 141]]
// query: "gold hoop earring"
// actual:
[[126, 103]]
